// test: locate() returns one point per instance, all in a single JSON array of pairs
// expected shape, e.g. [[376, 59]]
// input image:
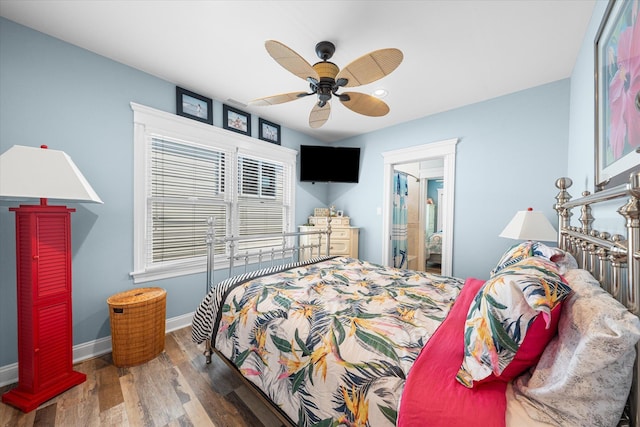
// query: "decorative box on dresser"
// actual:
[[344, 237]]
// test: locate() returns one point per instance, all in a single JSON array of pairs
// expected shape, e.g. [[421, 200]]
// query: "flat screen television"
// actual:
[[320, 163]]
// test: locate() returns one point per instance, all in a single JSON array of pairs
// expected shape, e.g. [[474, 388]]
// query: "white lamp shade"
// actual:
[[30, 172], [530, 225]]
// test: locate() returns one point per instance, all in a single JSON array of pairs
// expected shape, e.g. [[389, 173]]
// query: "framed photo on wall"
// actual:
[[194, 106], [269, 132], [236, 120], [617, 103]]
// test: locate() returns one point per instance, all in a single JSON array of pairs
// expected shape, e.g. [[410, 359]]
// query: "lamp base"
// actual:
[[45, 335], [28, 401]]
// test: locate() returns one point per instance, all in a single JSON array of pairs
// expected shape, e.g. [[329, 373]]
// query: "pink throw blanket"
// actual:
[[433, 397]]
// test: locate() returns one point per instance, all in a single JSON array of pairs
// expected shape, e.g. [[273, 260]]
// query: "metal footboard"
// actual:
[[272, 249]]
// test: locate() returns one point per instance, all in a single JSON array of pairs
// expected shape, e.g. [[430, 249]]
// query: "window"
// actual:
[[261, 200], [187, 172], [186, 188]]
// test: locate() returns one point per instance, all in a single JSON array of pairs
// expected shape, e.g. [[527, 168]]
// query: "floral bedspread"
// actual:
[[330, 343]]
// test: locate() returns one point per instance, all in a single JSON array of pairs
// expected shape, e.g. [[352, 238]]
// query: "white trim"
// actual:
[[445, 149], [179, 322], [441, 196], [166, 272], [8, 374], [91, 349], [422, 220]]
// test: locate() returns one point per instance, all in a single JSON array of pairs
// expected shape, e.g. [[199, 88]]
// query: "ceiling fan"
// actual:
[[325, 79]]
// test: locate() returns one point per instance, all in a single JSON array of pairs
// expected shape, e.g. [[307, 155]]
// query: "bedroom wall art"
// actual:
[[269, 131], [617, 103], [194, 106], [236, 120]]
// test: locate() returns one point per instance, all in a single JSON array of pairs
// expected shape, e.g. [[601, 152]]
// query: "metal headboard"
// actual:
[[289, 248], [614, 260]]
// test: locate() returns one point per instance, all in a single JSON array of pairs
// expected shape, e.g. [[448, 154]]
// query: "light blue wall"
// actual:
[[73, 100], [581, 124], [56, 94], [581, 149], [432, 189], [510, 152]]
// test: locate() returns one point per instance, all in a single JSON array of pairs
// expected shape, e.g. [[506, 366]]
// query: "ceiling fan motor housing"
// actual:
[[327, 71], [325, 50]]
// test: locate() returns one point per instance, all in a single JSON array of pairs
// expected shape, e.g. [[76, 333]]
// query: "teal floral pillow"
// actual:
[[518, 299]]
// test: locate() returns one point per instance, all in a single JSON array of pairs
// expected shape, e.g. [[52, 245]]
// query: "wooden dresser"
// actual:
[[344, 237]]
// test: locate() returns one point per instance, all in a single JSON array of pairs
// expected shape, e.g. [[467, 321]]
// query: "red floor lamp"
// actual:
[[43, 269]]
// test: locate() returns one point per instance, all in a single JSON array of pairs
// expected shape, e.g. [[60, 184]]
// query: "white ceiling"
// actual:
[[455, 52]]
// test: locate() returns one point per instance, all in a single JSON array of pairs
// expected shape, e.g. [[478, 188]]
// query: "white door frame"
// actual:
[[439, 213], [445, 149]]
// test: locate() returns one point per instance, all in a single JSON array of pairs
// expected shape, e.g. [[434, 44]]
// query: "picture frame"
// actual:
[[269, 131], [236, 120], [193, 106], [617, 107]]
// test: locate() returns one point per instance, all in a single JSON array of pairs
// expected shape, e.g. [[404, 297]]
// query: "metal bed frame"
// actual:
[[290, 249], [614, 260]]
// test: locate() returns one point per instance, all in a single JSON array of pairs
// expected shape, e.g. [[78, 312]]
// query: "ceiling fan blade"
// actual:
[[319, 115], [278, 99], [365, 104], [371, 67], [290, 60]]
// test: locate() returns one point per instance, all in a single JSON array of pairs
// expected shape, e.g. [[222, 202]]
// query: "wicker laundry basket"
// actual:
[[137, 320]]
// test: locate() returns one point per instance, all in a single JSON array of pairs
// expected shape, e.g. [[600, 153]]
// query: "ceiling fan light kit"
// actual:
[[326, 79]]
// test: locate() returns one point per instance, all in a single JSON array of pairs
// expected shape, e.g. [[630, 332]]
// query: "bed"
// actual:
[[433, 248], [340, 341]]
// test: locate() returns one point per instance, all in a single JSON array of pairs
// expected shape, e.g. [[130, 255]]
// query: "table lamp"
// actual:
[[530, 225], [43, 258]]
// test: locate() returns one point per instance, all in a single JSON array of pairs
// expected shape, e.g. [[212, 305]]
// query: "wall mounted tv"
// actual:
[[321, 163]]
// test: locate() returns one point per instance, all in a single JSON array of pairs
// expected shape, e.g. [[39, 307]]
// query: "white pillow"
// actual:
[[584, 375]]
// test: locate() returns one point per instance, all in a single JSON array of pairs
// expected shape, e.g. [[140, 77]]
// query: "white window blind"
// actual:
[[263, 201], [187, 186]]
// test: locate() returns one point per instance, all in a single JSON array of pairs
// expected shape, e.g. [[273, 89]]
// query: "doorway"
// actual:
[[444, 150], [433, 232], [408, 225], [417, 215]]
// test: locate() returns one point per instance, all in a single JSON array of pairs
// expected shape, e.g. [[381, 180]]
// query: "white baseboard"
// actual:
[[179, 322], [88, 350]]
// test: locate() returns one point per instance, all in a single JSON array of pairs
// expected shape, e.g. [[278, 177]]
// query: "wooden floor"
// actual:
[[177, 388], [434, 269]]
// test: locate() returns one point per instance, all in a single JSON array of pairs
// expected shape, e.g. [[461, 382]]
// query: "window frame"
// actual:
[[149, 122]]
